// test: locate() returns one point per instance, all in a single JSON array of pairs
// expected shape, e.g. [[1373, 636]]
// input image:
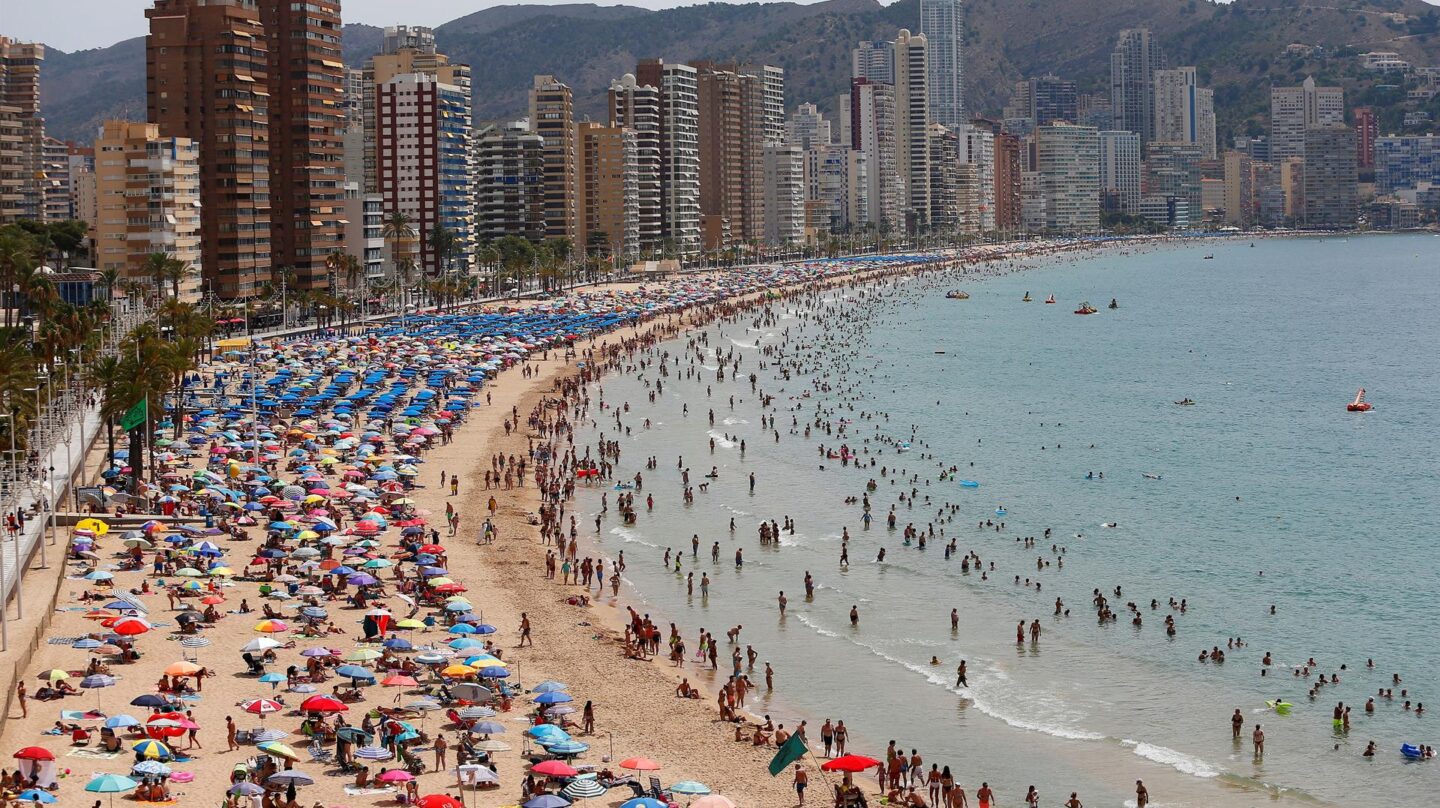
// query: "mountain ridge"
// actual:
[[1238, 47]]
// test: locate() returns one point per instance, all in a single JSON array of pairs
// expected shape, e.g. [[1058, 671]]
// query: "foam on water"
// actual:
[[1181, 762], [631, 536], [732, 421], [720, 439]]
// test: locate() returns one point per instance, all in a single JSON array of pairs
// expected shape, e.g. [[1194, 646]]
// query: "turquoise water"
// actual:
[[1266, 473]]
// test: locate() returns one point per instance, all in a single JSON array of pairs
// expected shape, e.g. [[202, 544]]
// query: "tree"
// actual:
[[165, 269], [108, 376]]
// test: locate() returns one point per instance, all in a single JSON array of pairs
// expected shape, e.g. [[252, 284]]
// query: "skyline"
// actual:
[[105, 22]]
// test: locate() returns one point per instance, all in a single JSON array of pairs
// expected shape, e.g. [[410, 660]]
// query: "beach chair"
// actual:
[[319, 754], [655, 790]]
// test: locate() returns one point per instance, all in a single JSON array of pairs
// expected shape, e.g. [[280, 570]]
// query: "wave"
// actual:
[[738, 344], [734, 421], [1181, 762], [631, 536], [720, 439]]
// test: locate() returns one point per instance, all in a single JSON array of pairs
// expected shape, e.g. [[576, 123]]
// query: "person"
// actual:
[[1259, 737], [827, 736], [985, 795], [1237, 722], [525, 630], [960, 675], [802, 779], [1142, 795], [587, 717], [1074, 802], [440, 747], [20, 696], [1032, 798]]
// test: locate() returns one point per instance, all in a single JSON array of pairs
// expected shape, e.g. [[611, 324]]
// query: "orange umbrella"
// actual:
[[640, 764]]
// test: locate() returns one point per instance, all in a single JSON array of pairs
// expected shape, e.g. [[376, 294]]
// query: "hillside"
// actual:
[[1239, 49]]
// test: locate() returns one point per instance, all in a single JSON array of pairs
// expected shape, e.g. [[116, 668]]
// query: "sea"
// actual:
[[1277, 516]]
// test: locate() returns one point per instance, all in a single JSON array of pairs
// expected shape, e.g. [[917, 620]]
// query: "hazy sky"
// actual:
[[77, 24]]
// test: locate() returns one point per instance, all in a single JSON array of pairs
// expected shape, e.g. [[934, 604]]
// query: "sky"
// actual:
[[98, 23]]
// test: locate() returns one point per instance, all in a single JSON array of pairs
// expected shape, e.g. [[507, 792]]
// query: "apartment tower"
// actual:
[[608, 191], [1132, 91], [679, 152], [22, 132], [1295, 109], [552, 117], [207, 80], [636, 107], [942, 22], [912, 117], [147, 199]]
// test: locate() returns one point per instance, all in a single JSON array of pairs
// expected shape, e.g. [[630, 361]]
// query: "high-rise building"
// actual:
[[1184, 111], [405, 49], [1172, 172], [422, 148], [148, 200], [874, 61], [807, 127], [912, 117], [364, 235], [1119, 171], [307, 123], [608, 190], [207, 80], [1295, 109], [836, 188], [636, 107], [56, 186], [977, 160], [945, 211], [1008, 181], [784, 181], [1051, 99], [873, 131], [1132, 91], [1241, 190], [942, 23], [1067, 158], [1094, 110], [771, 107], [22, 131], [82, 183], [679, 152], [1367, 130], [510, 182], [1404, 162], [723, 147], [1330, 177], [552, 117]]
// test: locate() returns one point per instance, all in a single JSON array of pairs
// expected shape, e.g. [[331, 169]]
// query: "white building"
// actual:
[[1293, 109], [977, 150], [1120, 170], [784, 194], [1068, 159], [1184, 111], [943, 24], [807, 127], [912, 119], [872, 114]]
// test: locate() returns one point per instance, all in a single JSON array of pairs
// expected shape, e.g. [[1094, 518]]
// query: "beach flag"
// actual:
[[134, 417], [792, 750]]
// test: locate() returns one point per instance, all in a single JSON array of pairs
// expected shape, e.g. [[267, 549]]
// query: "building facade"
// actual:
[[784, 181], [1184, 111], [1172, 171], [942, 22], [637, 107], [22, 132], [679, 153], [1119, 171], [1404, 162], [422, 147], [206, 80], [1367, 131], [608, 188], [552, 117], [912, 126], [1295, 109], [510, 182], [148, 200], [873, 131], [1067, 157], [1330, 177], [1132, 90]]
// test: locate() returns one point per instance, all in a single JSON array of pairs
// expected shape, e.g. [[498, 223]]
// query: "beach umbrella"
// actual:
[[278, 750], [689, 787], [148, 700], [354, 672], [34, 753], [246, 788], [261, 644], [373, 753], [54, 675], [353, 735], [291, 778], [396, 776], [584, 790], [492, 746], [488, 728], [36, 795], [151, 767], [121, 721], [363, 655], [267, 735], [111, 784], [399, 680], [849, 763], [553, 697], [566, 748], [273, 679], [130, 626], [152, 750], [262, 707], [472, 713], [323, 704], [182, 669], [554, 768], [438, 801], [643, 802], [550, 686], [639, 764], [549, 732], [271, 626]]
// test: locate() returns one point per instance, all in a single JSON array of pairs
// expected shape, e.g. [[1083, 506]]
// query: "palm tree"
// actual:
[[108, 375], [166, 269]]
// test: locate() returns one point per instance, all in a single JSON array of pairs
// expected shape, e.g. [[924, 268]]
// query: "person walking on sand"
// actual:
[[20, 696], [525, 631], [440, 747], [985, 796], [232, 744], [802, 779]]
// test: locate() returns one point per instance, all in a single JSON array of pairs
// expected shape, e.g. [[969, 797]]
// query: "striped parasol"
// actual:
[[583, 790]]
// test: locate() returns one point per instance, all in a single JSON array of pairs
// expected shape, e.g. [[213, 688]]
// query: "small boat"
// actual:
[[1147, 475], [1050, 299], [956, 294], [1359, 404], [1114, 304], [1208, 258], [1186, 402], [1027, 298], [1086, 308]]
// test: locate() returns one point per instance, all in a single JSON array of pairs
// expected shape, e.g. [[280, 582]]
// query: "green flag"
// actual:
[[792, 750], [134, 417]]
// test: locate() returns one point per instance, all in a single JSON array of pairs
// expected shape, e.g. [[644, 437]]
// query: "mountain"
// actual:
[[1240, 49]]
